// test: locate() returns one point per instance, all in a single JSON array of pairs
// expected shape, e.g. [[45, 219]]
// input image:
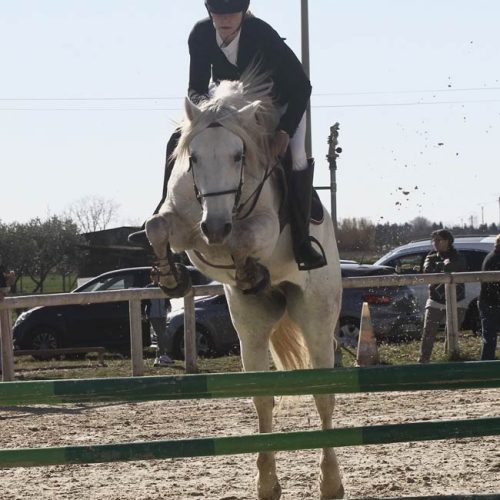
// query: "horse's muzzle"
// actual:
[[216, 234]]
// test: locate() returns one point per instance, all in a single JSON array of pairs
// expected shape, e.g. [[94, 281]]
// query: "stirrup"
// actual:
[[304, 266]]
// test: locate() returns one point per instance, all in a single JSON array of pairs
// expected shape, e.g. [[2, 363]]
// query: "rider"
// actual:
[[221, 47]]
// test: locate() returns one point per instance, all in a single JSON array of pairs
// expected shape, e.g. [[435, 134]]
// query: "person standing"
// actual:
[[443, 259], [7, 279], [156, 311], [489, 304]]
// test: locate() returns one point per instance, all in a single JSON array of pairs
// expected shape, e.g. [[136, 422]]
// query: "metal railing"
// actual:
[[135, 295]]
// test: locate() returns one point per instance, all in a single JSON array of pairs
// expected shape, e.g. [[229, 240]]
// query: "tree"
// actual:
[[52, 243], [356, 234], [93, 213]]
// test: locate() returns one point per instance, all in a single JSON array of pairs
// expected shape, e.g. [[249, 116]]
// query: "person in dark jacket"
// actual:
[[489, 304], [222, 47], [7, 279], [444, 259]]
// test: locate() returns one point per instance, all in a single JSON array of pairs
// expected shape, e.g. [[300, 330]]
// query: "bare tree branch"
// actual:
[[93, 213]]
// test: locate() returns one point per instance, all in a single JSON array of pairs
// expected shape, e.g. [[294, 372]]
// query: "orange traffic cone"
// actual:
[[367, 346]]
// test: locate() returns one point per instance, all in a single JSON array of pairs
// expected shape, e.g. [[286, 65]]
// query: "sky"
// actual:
[[90, 91]]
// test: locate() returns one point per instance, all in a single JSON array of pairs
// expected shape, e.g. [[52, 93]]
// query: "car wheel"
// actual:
[[204, 343], [44, 338], [349, 332]]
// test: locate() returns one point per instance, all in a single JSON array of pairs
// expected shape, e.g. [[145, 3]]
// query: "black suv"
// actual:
[[89, 325]]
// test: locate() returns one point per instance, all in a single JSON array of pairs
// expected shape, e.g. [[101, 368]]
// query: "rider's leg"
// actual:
[[300, 181]]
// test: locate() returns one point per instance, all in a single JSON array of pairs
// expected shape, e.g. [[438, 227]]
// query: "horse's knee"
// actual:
[[156, 228]]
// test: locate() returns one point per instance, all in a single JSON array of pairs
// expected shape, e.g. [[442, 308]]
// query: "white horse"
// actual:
[[222, 208]]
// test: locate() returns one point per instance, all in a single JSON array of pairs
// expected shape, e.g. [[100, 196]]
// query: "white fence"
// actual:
[[135, 295]]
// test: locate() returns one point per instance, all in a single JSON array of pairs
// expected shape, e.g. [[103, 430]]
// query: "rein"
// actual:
[[238, 208], [256, 192]]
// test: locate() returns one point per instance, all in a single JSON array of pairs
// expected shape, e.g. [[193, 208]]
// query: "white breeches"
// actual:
[[298, 145]]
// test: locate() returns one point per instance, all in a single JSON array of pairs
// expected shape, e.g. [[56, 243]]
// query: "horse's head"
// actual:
[[217, 153]]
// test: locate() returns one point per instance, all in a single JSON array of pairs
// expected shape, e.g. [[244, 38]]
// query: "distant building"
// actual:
[[109, 249]]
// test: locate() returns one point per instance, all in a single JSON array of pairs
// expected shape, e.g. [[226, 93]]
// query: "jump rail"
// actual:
[[370, 379], [468, 375], [135, 295]]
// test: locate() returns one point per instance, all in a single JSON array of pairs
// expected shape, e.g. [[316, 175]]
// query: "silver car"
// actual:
[[409, 259]]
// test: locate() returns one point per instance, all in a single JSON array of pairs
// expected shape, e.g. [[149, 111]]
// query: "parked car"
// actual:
[[393, 314], [89, 325], [394, 310], [409, 259]]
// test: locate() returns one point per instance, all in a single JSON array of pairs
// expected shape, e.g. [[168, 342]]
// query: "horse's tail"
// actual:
[[288, 348]]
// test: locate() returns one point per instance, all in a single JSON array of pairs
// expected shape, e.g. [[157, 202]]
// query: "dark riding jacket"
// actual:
[[259, 43], [435, 263], [490, 291]]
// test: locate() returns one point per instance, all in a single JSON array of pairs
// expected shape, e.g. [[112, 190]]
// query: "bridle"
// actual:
[[237, 208]]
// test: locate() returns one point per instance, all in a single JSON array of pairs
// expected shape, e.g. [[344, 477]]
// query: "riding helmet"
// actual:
[[226, 6]]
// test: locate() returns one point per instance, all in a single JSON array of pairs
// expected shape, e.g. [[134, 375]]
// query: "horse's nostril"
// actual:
[[204, 228], [227, 228]]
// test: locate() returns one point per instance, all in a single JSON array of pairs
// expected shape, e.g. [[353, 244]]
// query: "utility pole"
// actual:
[[333, 154], [305, 63]]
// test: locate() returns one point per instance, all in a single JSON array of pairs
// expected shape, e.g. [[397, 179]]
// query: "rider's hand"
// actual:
[[279, 143]]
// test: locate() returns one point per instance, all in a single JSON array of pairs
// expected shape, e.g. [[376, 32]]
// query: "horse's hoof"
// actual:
[[261, 285], [258, 288], [338, 494], [274, 494], [184, 283], [139, 239]]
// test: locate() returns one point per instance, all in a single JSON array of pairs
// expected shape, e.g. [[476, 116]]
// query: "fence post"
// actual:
[[136, 347], [452, 325], [7, 366], [190, 341]]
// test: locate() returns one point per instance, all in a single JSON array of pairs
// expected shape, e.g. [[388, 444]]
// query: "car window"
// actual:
[[474, 259], [110, 283], [408, 264]]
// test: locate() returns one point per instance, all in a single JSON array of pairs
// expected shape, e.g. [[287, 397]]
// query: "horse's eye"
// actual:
[[193, 158], [238, 157]]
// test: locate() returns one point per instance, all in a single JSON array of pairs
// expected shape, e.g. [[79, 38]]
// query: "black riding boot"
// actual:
[[139, 237], [299, 202]]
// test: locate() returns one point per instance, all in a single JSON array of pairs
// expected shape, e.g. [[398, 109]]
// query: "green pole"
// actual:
[[485, 374], [355, 436]]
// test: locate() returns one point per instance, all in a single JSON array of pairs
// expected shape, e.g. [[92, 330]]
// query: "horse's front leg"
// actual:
[[252, 242], [174, 279]]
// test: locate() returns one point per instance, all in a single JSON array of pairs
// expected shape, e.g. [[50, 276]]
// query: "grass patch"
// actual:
[[54, 283], [26, 368], [406, 353]]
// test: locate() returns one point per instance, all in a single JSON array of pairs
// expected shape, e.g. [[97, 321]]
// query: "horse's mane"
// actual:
[[222, 106]]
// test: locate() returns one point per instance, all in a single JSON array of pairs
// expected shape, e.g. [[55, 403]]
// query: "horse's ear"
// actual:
[[248, 112], [192, 111]]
